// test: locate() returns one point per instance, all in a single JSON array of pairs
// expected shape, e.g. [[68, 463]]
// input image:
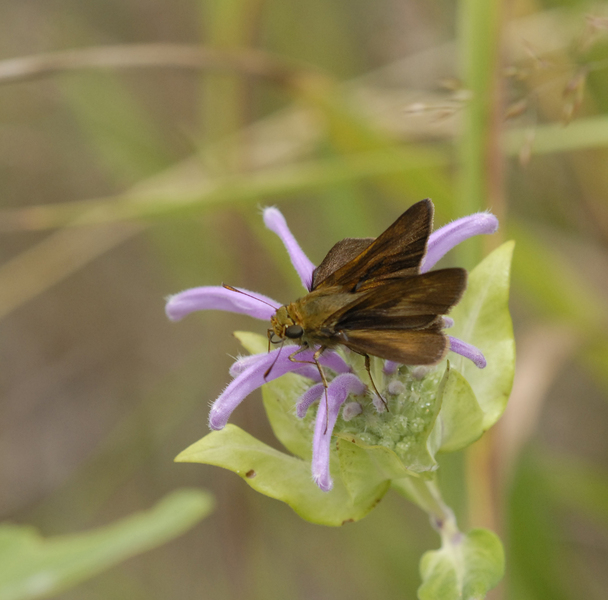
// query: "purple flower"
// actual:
[[252, 372]]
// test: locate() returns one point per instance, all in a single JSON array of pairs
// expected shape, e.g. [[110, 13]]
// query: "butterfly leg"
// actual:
[[369, 372], [315, 361], [274, 362]]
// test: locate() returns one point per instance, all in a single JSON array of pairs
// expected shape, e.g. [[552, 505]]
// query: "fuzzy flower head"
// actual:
[[382, 404]]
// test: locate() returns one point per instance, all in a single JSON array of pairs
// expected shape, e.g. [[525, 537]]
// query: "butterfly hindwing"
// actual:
[[420, 347]]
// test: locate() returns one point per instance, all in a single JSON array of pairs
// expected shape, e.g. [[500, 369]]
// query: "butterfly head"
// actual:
[[284, 327]]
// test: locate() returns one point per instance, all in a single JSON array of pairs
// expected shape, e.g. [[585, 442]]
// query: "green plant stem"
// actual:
[[480, 186], [425, 493], [478, 148]]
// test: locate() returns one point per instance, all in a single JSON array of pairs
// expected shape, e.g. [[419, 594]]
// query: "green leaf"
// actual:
[[34, 567], [361, 464], [284, 477], [465, 567], [460, 420], [254, 343], [482, 318]]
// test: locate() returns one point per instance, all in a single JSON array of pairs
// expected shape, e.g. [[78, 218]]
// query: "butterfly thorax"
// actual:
[[305, 320]]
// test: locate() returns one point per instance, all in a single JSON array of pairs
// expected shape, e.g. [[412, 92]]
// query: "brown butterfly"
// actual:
[[369, 295]]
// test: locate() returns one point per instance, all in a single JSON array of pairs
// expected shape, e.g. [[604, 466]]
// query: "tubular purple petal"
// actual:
[[322, 439], [245, 382], [390, 367], [468, 351], [219, 298], [448, 322], [249, 375], [309, 371], [347, 381], [337, 392], [307, 398], [275, 221], [331, 360], [445, 238], [243, 363]]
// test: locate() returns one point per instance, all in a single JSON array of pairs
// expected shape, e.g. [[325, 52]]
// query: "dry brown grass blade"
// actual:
[[541, 354], [128, 56]]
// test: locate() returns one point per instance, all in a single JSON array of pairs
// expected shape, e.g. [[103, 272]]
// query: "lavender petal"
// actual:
[[337, 392], [468, 351], [445, 238], [251, 374], [307, 398], [220, 298], [245, 382], [447, 322], [275, 221], [390, 367], [346, 383]]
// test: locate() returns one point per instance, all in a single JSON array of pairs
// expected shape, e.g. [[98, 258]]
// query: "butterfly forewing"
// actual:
[[397, 252], [409, 302]]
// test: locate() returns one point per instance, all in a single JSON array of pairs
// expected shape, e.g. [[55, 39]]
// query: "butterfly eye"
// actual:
[[294, 331]]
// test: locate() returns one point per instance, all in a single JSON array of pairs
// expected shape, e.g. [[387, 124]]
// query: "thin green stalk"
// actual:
[[228, 26], [478, 147], [425, 493]]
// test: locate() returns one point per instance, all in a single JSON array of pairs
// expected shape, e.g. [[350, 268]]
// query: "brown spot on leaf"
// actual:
[[250, 474]]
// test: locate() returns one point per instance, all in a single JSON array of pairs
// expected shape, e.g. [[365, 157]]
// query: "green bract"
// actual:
[[464, 568], [440, 409]]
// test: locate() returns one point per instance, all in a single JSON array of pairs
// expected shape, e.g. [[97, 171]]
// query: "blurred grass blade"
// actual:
[[581, 134], [553, 285], [58, 256], [228, 25], [233, 189], [479, 32], [116, 126], [535, 560], [349, 132], [577, 484], [33, 567]]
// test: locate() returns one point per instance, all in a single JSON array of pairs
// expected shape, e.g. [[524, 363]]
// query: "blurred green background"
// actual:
[[130, 174]]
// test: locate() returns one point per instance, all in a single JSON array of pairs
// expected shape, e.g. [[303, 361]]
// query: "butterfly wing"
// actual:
[[341, 253], [407, 303], [398, 252], [418, 347]]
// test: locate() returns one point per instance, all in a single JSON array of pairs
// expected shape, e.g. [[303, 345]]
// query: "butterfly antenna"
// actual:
[[233, 289]]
